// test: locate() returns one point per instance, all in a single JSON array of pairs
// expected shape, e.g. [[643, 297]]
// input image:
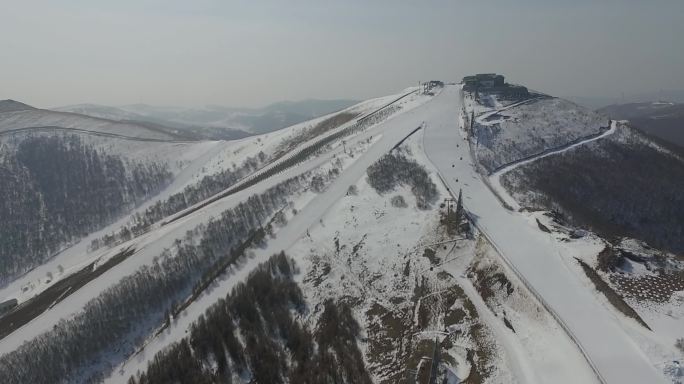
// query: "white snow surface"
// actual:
[[323, 212]]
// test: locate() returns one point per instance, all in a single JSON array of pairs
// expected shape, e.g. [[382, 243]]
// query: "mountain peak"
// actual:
[[10, 105]]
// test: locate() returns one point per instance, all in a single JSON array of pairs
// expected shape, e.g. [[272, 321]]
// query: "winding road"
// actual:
[[495, 177]]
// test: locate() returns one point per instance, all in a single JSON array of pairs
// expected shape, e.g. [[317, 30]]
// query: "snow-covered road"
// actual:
[[535, 256], [495, 178]]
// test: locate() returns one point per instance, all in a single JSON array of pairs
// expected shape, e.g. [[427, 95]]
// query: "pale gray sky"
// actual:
[[250, 53]]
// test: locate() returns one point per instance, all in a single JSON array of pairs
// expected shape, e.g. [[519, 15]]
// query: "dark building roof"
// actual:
[[493, 84]]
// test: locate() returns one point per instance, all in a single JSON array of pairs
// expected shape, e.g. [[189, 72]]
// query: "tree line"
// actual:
[[254, 333]]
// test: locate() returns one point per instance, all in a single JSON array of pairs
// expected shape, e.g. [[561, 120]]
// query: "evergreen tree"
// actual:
[[459, 209]]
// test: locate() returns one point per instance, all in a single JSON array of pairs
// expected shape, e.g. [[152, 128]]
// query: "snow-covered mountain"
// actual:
[[217, 122], [13, 106], [418, 237], [15, 116]]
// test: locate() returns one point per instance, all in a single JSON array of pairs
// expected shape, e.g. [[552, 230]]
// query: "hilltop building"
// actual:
[[493, 84], [428, 86]]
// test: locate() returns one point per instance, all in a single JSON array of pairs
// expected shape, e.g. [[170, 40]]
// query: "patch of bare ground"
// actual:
[[387, 331], [488, 279], [613, 297], [431, 255], [480, 358], [401, 338], [318, 272]]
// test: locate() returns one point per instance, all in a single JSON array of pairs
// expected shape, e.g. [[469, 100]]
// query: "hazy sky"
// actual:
[[250, 53]]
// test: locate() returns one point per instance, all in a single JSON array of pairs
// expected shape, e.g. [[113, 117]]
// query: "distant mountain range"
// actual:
[[661, 119], [18, 117], [216, 122], [596, 102]]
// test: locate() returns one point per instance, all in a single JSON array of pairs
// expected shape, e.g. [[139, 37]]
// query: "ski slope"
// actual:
[[535, 257]]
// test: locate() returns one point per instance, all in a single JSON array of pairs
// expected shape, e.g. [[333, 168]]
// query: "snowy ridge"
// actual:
[[33, 118]]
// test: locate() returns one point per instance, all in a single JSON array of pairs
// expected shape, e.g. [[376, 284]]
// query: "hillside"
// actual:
[[375, 244], [618, 189], [12, 106], [58, 188], [16, 116], [525, 129], [622, 186]]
